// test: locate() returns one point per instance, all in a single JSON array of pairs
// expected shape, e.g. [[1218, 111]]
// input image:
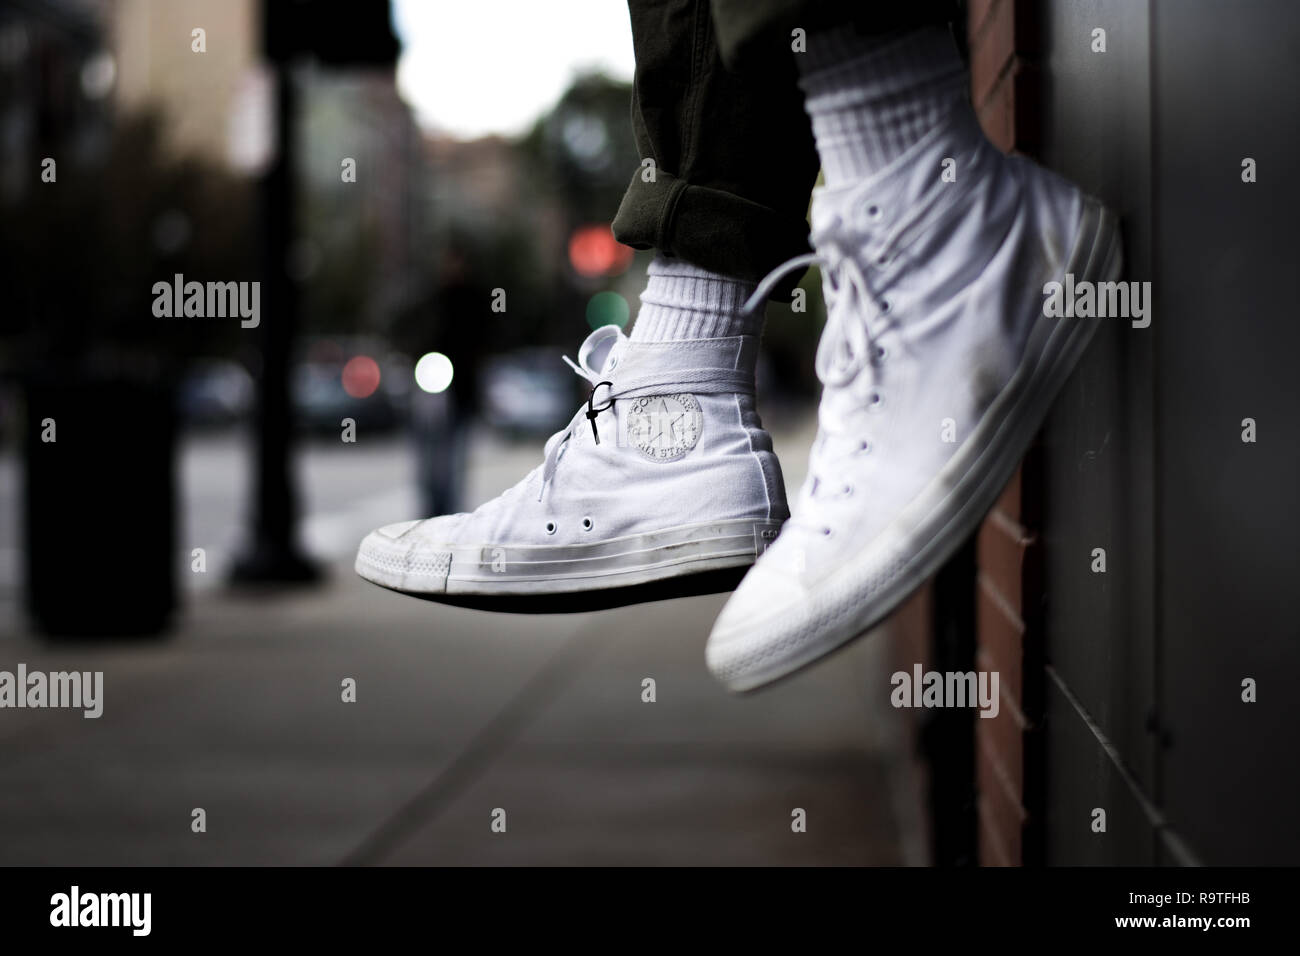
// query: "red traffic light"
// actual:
[[594, 252]]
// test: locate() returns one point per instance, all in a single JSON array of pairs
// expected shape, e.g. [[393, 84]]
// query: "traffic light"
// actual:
[[594, 252]]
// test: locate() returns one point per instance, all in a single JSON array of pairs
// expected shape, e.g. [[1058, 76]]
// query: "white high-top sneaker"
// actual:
[[666, 472], [938, 365]]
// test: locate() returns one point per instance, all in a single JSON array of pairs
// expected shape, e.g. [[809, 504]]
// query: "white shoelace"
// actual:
[[555, 444], [847, 349]]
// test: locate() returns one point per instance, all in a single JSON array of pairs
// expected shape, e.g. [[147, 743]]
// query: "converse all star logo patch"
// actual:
[[664, 427]]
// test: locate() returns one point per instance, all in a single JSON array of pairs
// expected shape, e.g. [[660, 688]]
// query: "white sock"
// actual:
[[682, 301], [870, 98]]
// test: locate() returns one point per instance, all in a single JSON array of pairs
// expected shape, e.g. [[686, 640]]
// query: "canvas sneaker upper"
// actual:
[[668, 439], [934, 302]]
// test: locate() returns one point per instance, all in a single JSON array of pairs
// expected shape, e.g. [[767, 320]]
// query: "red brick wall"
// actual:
[[1003, 38], [1004, 80], [1008, 557]]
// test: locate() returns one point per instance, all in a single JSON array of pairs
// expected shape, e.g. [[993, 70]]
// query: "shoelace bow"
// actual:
[[847, 345], [555, 443]]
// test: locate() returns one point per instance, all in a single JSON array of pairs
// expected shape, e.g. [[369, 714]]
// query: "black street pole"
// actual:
[[948, 735], [272, 554]]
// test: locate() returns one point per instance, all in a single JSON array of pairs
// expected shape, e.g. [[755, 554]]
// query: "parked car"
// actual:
[[528, 391], [343, 377], [215, 392]]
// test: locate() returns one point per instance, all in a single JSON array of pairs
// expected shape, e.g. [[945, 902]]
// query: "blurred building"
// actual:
[[213, 104], [377, 229], [218, 104]]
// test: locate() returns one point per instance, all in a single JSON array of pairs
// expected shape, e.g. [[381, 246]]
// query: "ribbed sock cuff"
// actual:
[[682, 301], [872, 97]]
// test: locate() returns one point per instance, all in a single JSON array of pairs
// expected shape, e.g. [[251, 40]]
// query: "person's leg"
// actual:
[[666, 474], [941, 353], [727, 159], [727, 169]]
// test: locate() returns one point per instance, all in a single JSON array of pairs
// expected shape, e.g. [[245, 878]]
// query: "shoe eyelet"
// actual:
[[587, 524], [550, 527]]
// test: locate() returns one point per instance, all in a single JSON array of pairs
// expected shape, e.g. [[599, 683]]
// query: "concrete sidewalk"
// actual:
[[458, 713]]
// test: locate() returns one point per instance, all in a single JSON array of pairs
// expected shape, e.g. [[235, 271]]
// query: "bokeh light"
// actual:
[[434, 372], [361, 376], [593, 252], [607, 308]]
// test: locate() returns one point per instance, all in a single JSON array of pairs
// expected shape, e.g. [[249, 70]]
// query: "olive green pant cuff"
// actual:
[[709, 228]]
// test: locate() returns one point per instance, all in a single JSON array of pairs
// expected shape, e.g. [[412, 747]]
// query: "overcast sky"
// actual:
[[473, 67]]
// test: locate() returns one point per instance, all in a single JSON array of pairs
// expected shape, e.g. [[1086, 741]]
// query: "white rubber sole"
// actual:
[[873, 584], [489, 570]]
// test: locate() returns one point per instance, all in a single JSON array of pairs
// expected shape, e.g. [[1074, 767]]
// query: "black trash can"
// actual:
[[100, 504]]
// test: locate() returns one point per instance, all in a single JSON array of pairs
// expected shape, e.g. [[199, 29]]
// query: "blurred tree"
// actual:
[[80, 259], [584, 149]]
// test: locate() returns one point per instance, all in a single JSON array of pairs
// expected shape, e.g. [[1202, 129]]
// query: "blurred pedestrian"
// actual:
[[441, 421]]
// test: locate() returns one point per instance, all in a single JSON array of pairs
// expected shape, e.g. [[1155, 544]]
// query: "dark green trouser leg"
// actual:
[[734, 162], [716, 106]]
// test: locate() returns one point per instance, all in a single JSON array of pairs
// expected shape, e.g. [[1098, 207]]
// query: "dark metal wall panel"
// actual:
[[1099, 444], [1084, 779], [1224, 81], [1144, 455]]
